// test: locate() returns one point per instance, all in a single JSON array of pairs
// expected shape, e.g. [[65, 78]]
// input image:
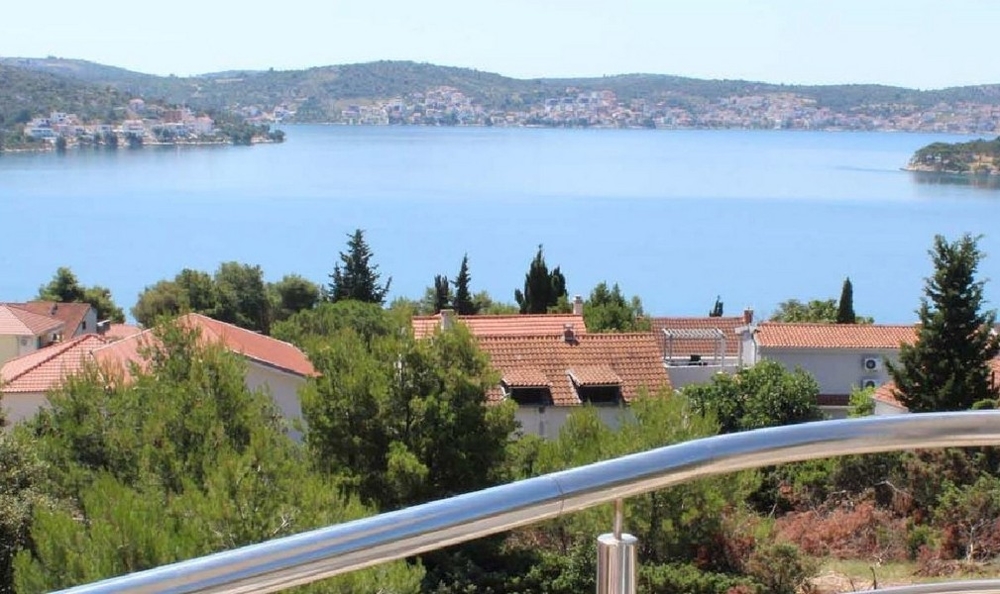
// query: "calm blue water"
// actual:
[[673, 216]]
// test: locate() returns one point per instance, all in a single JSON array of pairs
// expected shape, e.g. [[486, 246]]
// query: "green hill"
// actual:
[[327, 93], [977, 157]]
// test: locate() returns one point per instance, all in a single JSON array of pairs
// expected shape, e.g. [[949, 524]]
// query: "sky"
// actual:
[[913, 43]]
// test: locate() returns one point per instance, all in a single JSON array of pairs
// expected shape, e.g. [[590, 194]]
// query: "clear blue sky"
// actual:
[[914, 43]]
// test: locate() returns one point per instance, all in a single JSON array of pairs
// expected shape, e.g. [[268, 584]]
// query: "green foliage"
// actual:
[[861, 403], [974, 156], [947, 368], [817, 311], [780, 568], [969, 515], [242, 297], [542, 289], [358, 279], [442, 294], [845, 307], [464, 303], [65, 288], [717, 307], [21, 480], [686, 577], [403, 420], [314, 329], [182, 460], [485, 304], [292, 294], [163, 299], [764, 395], [607, 310]]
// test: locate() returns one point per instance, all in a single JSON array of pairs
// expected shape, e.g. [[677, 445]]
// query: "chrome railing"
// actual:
[[314, 555]]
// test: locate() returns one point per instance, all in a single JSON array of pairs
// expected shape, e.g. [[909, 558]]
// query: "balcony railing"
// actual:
[[317, 554]]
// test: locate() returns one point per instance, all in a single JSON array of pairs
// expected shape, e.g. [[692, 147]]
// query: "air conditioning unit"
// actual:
[[869, 383], [872, 363]]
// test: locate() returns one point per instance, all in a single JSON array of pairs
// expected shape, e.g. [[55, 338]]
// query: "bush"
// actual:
[[672, 578], [780, 568]]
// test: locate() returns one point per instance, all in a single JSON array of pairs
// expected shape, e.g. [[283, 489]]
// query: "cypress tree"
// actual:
[[845, 308], [948, 366], [464, 304]]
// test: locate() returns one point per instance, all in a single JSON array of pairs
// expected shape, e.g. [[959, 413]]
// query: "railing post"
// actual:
[[616, 558]]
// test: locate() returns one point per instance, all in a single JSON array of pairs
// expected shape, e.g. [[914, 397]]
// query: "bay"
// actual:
[[676, 217]]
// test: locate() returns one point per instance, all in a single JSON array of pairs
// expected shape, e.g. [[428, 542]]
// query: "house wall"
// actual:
[[548, 421], [685, 375], [18, 406], [90, 323], [283, 387], [837, 371], [8, 348]]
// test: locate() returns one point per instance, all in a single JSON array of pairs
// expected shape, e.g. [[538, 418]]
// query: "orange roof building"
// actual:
[[841, 357], [501, 325], [549, 375]]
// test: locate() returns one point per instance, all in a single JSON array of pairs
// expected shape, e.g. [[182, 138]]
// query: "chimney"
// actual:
[[748, 315], [447, 319], [577, 305], [568, 335]]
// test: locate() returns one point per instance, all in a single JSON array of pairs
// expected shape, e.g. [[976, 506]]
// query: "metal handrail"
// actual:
[[311, 556], [991, 586]]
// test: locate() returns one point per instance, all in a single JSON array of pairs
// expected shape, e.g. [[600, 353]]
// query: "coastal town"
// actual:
[[443, 105]]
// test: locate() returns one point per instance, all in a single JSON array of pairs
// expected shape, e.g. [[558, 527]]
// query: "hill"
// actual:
[[976, 157], [397, 92]]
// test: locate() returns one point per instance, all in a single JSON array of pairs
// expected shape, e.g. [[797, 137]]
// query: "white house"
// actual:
[[23, 332], [842, 357]]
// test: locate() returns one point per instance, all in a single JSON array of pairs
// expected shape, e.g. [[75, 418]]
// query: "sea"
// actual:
[[675, 217]]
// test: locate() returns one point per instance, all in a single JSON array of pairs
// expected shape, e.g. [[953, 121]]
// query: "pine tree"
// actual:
[[845, 308], [948, 366], [464, 303], [358, 278]]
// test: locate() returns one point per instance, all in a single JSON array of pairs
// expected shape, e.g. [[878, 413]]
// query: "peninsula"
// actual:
[[975, 157]]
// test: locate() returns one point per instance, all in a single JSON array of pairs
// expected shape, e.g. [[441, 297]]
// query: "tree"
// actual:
[[100, 299], [205, 466], [764, 395], [405, 420], [607, 310], [442, 293], [464, 303], [291, 295], [199, 286], [845, 307], [815, 311], [21, 476], [358, 278], [947, 368], [164, 299], [242, 297], [716, 311], [65, 288], [542, 289]]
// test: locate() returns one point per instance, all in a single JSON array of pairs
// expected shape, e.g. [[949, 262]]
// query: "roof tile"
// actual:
[[777, 335], [72, 314], [17, 321], [706, 348], [634, 359], [505, 325], [46, 368]]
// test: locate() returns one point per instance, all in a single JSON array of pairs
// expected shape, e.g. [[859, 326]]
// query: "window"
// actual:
[[600, 395], [530, 396]]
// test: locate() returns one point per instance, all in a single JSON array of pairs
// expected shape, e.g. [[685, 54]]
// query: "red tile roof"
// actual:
[[72, 314], [119, 331], [256, 347], [46, 368], [506, 325], [680, 347], [630, 360], [17, 321], [779, 335]]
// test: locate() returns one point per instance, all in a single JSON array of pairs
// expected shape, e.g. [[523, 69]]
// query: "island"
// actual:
[[973, 158]]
